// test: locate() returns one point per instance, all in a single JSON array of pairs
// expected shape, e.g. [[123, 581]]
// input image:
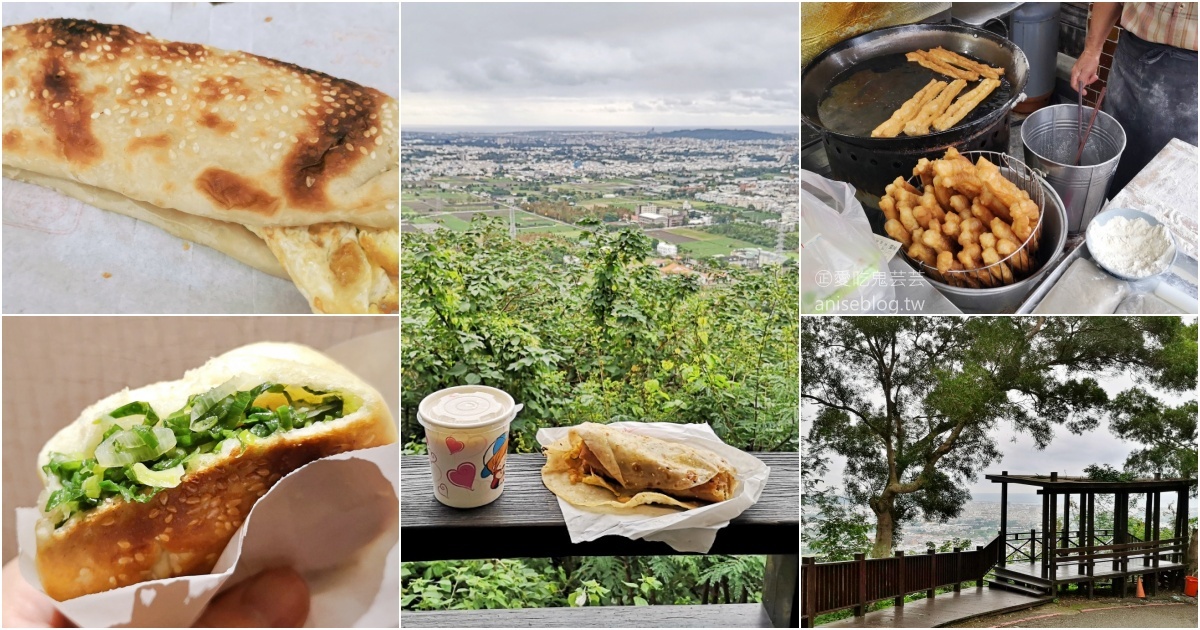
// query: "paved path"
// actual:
[[1162, 612]]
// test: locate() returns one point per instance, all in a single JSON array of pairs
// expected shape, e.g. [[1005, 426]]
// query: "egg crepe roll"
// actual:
[[599, 465]]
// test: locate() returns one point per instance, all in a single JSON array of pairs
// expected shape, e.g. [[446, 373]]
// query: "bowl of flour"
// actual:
[[1130, 244]]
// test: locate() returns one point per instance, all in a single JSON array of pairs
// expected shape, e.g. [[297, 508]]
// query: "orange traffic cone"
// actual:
[[1141, 593]]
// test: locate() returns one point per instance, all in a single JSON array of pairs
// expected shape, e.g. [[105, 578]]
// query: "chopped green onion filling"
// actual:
[[135, 463]]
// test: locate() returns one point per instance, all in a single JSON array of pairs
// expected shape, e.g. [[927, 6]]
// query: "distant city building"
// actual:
[[667, 249], [652, 219]]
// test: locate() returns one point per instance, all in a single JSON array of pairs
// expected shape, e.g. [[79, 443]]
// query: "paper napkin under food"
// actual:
[[691, 531]]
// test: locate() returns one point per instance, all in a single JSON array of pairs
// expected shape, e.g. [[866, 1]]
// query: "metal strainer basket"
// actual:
[[1021, 263]]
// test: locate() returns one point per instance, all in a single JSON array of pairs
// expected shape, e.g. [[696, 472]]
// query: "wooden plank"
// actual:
[[527, 518], [1065, 485], [947, 608], [707, 616]]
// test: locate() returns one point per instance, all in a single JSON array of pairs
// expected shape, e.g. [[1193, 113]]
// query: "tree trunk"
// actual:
[[883, 533]]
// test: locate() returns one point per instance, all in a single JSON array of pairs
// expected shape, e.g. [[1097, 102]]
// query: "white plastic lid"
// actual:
[[467, 406]]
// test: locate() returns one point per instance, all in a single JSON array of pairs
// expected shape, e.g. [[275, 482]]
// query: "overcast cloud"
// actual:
[[670, 64]]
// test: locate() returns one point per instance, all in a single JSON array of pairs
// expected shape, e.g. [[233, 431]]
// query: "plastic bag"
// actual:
[[842, 270]]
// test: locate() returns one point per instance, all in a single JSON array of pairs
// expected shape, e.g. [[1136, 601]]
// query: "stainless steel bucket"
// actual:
[[1051, 139]]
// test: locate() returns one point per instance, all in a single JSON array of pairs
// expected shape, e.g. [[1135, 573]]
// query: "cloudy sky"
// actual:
[[1067, 454], [583, 64]]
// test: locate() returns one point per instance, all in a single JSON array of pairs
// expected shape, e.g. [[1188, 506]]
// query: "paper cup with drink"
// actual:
[[466, 430]]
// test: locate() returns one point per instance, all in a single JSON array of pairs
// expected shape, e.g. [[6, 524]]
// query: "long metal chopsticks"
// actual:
[[1095, 112]]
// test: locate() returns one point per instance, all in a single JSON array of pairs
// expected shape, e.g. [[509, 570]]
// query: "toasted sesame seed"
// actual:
[[123, 544]]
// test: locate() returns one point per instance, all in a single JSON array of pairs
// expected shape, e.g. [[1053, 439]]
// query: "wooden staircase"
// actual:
[[1019, 583]]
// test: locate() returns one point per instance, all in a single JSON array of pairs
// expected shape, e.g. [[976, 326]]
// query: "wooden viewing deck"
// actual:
[[1022, 570], [1103, 570], [944, 609]]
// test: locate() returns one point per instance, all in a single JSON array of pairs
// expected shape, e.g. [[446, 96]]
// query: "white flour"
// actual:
[[1132, 248]]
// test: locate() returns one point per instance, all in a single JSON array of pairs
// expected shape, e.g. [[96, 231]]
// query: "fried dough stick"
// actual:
[[894, 125], [919, 126], [965, 104], [921, 57], [952, 58]]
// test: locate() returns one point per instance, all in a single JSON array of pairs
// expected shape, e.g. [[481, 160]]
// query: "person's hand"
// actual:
[[275, 598], [1084, 72], [25, 606]]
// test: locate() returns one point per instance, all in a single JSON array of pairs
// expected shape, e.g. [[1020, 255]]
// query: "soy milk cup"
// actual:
[[466, 431]]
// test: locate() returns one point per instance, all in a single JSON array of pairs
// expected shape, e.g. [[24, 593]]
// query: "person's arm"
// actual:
[[1104, 18]]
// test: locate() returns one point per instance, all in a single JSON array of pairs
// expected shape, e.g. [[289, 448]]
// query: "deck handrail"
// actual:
[[526, 521], [832, 586], [1032, 538]]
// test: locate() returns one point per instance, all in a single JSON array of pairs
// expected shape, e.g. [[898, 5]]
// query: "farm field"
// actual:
[[526, 221], [701, 244]]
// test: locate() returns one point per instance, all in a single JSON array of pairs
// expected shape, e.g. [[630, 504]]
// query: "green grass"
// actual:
[[561, 230], [448, 221], [526, 221], [707, 244]]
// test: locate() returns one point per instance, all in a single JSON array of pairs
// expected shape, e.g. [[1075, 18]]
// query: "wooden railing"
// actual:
[[1028, 545], [1150, 552], [831, 586]]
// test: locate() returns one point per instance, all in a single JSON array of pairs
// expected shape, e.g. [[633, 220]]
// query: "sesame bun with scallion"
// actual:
[[152, 483]]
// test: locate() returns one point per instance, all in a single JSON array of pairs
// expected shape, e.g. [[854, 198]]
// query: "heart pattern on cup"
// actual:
[[454, 445], [433, 457], [476, 444], [443, 490], [463, 476]]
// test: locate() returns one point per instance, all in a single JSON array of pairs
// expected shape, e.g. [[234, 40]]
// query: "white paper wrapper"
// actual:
[[353, 576], [692, 531]]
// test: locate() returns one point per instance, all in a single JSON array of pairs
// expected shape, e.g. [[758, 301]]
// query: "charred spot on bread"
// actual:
[[216, 123], [231, 191], [77, 36], [67, 111], [12, 140], [159, 141], [344, 128]]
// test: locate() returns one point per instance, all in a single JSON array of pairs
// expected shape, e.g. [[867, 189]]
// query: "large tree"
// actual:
[[911, 402]]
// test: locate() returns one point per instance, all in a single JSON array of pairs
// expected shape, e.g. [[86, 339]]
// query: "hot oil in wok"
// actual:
[[861, 98]]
